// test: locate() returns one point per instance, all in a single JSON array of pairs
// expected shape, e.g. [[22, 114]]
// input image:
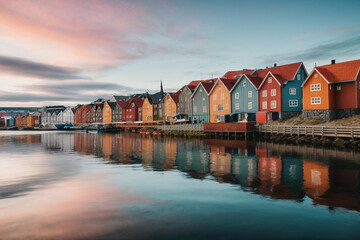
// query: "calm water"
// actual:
[[66, 185]]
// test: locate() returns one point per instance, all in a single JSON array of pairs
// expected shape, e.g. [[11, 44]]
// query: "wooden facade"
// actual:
[[107, 112], [133, 110], [220, 99], [170, 105], [200, 102]]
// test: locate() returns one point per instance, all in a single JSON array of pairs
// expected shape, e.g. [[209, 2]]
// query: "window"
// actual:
[[222, 96], [195, 109], [338, 87], [293, 103], [214, 97], [133, 104], [315, 75], [316, 100], [237, 95], [292, 91], [204, 109], [249, 105], [237, 106], [226, 107], [273, 92], [221, 107], [214, 107], [298, 76], [200, 90], [244, 84], [264, 105], [264, 93], [203, 99], [315, 87], [270, 80], [217, 117], [273, 104], [249, 94]]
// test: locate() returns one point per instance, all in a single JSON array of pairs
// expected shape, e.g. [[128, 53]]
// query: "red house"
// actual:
[[78, 114], [133, 110]]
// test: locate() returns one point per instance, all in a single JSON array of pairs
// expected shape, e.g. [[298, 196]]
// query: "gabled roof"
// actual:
[[112, 104], [208, 86], [229, 83], [193, 84], [155, 98], [138, 102], [121, 98], [235, 74], [339, 72], [287, 72], [122, 104], [254, 80]]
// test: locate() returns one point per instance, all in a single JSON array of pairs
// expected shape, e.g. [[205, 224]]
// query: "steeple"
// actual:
[[161, 88]]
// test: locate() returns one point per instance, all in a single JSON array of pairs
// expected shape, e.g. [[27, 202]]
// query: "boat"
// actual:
[[63, 126]]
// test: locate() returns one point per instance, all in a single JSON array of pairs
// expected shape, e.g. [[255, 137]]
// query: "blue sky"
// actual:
[[69, 52]]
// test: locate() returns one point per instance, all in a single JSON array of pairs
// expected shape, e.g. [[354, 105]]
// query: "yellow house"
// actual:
[[147, 111], [107, 112], [220, 99], [170, 104]]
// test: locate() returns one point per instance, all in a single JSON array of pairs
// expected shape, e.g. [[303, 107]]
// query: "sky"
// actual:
[[75, 51]]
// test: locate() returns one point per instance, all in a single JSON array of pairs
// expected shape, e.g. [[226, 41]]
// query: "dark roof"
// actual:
[[229, 83], [138, 102], [122, 104], [112, 104], [256, 81], [208, 86], [121, 98], [156, 97]]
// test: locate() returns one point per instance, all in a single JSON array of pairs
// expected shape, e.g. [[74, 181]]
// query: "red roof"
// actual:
[[256, 81], [193, 84], [138, 102], [234, 74], [229, 83], [338, 72], [122, 104], [208, 86], [282, 73]]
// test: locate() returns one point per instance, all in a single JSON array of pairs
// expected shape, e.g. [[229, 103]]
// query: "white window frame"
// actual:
[[315, 100], [292, 91], [214, 96], [315, 87], [222, 96], [270, 80], [237, 106], [250, 105], [237, 95], [264, 93], [204, 109], [244, 84], [338, 87], [249, 94], [264, 104], [273, 92], [293, 103], [273, 104], [298, 76], [220, 107]]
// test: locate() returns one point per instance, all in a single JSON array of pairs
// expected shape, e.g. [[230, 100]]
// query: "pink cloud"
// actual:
[[94, 34]]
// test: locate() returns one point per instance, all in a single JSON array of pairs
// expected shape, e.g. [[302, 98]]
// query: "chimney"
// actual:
[[333, 61], [274, 64]]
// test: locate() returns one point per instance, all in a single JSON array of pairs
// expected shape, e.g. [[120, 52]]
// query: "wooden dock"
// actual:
[[318, 131]]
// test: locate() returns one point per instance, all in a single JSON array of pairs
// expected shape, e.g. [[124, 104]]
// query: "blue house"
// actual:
[[244, 94]]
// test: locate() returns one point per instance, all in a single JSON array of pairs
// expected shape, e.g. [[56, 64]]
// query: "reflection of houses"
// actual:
[[147, 151], [107, 146], [316, 178], [170, 152], [244, 168], [193, 158], [220, 163], [292, 175]]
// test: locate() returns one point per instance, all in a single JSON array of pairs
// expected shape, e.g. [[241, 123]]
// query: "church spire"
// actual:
[[161, 88]]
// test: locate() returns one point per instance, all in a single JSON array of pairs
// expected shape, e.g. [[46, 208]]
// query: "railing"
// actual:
[[322, 131], [182, 127]]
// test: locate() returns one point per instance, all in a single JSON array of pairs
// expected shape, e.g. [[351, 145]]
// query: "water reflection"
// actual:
[[44, 177], [273, 170]]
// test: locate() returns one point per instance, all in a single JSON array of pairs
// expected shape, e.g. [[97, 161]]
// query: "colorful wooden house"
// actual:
[[78, 114], [170, 105], [200, 102], [244, 95], [151, 110], [133, 110], [118, 111], [107, 111], [332, 91], [99, 112], [280, 92], [33, 120], [220, 99], [20, 121]]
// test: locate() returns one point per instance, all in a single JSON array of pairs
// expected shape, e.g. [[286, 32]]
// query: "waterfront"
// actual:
[[77, 185]]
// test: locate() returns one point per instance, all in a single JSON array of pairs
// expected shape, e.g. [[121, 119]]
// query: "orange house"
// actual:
[[332, 91], [170, 105], [220, 99], [147, 111], [32, 121], [107, 112]]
